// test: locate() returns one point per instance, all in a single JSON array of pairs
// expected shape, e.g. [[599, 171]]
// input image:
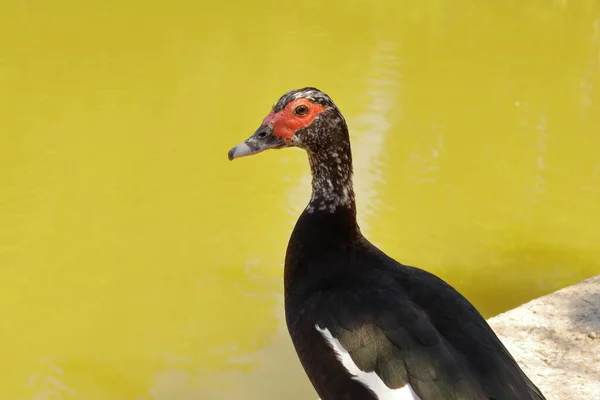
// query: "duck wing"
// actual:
[[394, 348]]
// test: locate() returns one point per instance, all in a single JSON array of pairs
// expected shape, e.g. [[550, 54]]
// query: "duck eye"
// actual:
[[301, 110]]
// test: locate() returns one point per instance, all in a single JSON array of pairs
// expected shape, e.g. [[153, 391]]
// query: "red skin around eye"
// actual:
[[286, 123]]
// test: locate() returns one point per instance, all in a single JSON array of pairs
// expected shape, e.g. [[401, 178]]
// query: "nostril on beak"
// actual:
[[262, 135]]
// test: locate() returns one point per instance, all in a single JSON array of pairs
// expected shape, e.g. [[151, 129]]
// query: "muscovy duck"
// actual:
[[365, 326]]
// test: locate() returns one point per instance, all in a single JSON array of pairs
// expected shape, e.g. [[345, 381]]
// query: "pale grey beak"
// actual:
[[263, 139]]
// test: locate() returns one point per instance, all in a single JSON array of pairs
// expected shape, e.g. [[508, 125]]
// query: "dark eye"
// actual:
[[301, 110]]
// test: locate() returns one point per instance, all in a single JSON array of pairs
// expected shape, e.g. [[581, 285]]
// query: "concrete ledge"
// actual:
[[556, 340]]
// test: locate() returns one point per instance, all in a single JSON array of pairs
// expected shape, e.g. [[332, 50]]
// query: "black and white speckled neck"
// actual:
[[328, 146], [331, 180]]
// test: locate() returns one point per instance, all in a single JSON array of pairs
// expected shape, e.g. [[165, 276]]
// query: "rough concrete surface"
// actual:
[[556, 340]]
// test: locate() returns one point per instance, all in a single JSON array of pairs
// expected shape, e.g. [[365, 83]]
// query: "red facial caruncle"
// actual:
[[298, 114]]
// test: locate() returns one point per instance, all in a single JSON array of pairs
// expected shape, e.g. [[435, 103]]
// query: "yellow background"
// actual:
[[137, 262]]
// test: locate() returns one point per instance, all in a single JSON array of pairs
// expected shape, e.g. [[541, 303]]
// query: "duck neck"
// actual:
[[328, 226], [332, 189], [330, 216]]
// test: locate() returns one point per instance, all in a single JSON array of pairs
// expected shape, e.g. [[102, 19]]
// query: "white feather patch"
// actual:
[[369, 379]]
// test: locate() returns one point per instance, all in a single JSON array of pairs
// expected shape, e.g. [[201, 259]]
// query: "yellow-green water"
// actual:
[[137, 262]]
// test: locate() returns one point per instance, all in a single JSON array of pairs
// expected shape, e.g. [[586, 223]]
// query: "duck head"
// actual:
[[306, 118]]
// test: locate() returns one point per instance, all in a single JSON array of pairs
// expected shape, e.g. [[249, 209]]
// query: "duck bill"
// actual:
[[263, 139]]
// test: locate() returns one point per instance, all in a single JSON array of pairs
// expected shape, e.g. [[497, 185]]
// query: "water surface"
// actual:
[[138, 263]]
